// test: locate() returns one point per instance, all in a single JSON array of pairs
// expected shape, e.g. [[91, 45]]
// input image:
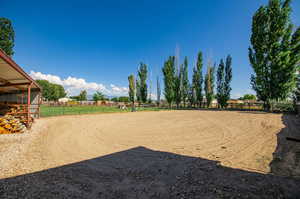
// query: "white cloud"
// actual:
[[74, 85], [236, 95], [153, 96], [116, 89]]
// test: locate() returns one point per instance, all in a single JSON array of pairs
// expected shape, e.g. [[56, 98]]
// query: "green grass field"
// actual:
[[47, 111]]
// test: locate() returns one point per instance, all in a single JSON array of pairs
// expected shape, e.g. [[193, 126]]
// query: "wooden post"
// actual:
[[39, 104], [28, 104]]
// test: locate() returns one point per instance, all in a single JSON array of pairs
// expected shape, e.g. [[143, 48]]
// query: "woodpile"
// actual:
[[10, 119], [4, 109], [10, 124]]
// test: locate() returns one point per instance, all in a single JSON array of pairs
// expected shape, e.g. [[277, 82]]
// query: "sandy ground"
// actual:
[[167, 154]]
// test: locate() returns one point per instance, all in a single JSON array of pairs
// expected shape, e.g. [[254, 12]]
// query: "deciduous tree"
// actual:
[[209, 85], [185, 81], [98, 96], [7, 36], [178, 86], [131, 90], [123, 99], [220, 84], [51, 91], [142, 74], [198, 79], [192, 95], [274, 53], [169, 77], [248, 97], [224, 76], [82, 95], [228, 78], [138, 91], [158, 92]]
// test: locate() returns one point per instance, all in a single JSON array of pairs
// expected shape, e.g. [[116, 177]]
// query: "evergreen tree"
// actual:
[[185, 82], [131, 92], [274, 53], [198, 79], [142, 73], [209, 85], [7, 36], [169, 77], [158, 93]]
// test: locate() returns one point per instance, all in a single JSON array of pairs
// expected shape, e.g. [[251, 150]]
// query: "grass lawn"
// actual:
[[47, 111]]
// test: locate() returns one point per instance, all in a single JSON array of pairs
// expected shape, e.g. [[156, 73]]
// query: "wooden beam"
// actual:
[[14, 84], [17, 79], [6, 82], [3, 81]]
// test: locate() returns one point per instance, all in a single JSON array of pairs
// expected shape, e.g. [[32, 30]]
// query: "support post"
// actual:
[[39, 105], [28, 105]]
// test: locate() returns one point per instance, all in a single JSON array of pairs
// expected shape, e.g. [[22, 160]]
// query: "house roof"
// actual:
[[12, 76]]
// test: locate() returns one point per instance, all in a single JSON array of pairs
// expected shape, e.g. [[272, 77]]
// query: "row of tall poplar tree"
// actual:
[[138, 88], [274, 55], [179, 90], [177, 87]]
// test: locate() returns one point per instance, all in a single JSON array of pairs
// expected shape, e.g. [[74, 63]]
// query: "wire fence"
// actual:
[[69, 109]]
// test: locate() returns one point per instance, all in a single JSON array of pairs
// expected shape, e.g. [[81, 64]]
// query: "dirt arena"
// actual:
[[165, 154]]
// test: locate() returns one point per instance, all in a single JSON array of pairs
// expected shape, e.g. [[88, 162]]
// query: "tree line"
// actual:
[[177, 87], [53, 92], [274, 55], [50, 91], [179, 90]]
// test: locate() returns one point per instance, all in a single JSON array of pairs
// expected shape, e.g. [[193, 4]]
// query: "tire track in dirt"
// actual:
[[236, 139]]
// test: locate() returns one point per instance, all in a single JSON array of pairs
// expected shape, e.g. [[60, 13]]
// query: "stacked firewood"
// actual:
[[10, 124], [4, 109], [7, 109]]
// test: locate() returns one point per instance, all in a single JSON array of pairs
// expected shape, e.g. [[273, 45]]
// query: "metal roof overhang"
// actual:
[[13, 77]]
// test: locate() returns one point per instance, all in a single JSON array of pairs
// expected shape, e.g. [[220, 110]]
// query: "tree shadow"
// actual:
[[144, 173], [256, 112], [286, 158], [253, 111]]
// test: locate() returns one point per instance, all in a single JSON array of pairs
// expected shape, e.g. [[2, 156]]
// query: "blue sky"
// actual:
[[96, 44]]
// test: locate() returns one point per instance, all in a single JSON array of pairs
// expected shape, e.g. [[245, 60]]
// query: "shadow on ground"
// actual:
[[254, 111], [286, 158], [143, 173]]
